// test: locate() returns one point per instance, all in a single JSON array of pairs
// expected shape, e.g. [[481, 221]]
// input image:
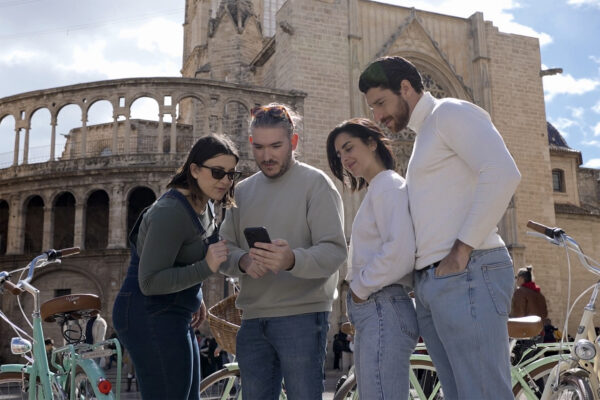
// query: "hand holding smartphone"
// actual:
[[256, 234]]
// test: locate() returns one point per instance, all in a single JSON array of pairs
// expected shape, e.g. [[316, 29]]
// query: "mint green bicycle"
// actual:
[[77, 375], [529, 372]]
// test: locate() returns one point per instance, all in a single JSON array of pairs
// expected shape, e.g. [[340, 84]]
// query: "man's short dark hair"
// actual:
[[388, 73]]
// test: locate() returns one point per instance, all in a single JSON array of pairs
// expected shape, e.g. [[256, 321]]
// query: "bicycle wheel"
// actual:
[[573, 387], [15, 385], [536, 381], [424, 382], [347, 391], [222, 385], [84, 388]]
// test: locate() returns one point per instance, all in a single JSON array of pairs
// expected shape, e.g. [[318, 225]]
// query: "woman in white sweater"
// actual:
[[381, 261]]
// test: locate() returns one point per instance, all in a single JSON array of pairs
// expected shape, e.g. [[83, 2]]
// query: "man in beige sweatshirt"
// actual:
[[287, 286]]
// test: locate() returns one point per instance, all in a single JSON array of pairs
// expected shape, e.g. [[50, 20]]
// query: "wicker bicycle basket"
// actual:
[[224, 321]]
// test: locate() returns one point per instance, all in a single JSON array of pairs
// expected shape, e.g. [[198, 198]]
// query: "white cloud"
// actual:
[[18, 57], [159, 34], [593, 163], [594, 143], [496, 11], [596, 107], [597, 129], [563, 123], [579, 3], [566, 84], [577, 112], [92, 59]]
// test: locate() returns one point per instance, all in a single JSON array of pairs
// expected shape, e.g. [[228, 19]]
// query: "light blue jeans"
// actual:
[[292, 348], [386, 336], [462, 318]]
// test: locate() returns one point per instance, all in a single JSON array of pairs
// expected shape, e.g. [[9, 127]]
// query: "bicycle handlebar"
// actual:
[[48, 257], [12, 288], [552, 233], [56, 254]]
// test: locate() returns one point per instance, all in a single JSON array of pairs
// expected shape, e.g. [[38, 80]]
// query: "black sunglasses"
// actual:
[[218, 173]]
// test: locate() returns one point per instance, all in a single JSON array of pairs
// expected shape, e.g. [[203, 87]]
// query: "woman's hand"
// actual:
[[216, 254], [199, 316]]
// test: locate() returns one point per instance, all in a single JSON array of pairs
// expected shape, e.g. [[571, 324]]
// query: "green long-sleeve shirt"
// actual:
[[171, 250], [304, 208]]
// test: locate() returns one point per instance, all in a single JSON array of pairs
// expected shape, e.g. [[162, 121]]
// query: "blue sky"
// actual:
[[49, 43]]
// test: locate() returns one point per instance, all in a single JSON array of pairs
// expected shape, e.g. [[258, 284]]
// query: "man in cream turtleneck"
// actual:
[[460, 180], [287, 286]]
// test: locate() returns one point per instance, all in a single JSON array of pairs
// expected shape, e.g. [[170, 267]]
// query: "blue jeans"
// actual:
[[291, 347], [158, 337], [386, 335], [462, 318]]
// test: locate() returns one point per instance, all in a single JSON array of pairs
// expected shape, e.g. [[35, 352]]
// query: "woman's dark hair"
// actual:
[[367, 131], [205, 148], [388, 73], [526, 273]]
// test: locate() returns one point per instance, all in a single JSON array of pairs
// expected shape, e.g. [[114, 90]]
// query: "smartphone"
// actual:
[[256, 234]]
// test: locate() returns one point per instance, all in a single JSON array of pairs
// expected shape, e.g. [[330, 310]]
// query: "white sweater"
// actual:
[[382, 245], [460, 178]]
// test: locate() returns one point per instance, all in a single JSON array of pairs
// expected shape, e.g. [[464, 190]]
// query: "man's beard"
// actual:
[[285, 165]]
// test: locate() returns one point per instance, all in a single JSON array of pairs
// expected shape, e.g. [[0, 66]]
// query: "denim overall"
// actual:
[[155, 330]]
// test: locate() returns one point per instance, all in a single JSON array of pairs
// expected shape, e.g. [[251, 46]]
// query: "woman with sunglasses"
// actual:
[[174, 247], [381, 260]]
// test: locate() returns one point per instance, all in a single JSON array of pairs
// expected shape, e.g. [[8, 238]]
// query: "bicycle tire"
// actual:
[[84, 388], [536, 379], [347, 391], [14, 385], [425, 385], [573, 386], [224, 384]]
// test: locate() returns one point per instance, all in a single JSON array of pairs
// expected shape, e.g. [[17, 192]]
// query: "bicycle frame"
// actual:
[[573, 364], [587, 331], [38, 368]]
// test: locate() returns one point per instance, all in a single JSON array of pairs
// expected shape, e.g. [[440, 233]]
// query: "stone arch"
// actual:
[[440, 73], [4, 217], [235, 125], [138, 199], [67, 103], [34, 223], [97, 208], [193, 111], [69, 116], [7, 139], [39, 124], [63, 220], [138, 95], [98, 98]]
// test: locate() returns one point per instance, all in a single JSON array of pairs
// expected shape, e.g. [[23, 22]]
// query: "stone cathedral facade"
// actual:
[[305, 53]]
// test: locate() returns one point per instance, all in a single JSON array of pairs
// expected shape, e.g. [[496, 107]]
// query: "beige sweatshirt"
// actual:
[[304, 208]]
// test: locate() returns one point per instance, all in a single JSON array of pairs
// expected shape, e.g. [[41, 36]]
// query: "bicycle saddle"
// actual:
[[72, 306], [524, 327]]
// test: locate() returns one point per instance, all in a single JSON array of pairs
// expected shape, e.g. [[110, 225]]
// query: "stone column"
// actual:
[[115, 138], [48, 230], [173, 132], [79, 228], [53, 138], [117, 218], [26, 146], [16, 151], [84, 135], [127, 134], [15, 240], [161, 134]]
